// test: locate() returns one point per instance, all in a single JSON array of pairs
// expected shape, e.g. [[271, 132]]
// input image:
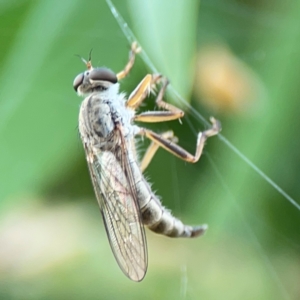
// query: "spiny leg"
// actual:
[[179, 151], [153, 147], [170, 111], [142, 90], [164, 105], [134, 50]]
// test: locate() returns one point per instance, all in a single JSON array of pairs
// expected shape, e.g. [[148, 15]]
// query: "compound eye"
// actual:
[[78, 81], [103, 74]]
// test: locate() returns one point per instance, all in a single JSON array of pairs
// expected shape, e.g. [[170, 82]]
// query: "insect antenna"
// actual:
[[89, 62]]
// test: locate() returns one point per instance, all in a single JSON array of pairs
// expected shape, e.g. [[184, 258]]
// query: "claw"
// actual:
[[135, 48], [216, 124]]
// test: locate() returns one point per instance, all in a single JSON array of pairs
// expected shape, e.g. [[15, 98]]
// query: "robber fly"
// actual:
[[108, 135]]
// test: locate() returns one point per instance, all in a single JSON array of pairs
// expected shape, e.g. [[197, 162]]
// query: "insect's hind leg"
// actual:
[[179, 151], [153, 147]]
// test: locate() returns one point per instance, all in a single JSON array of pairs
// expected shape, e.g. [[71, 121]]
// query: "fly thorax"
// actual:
[[124, 116], [97, 116]]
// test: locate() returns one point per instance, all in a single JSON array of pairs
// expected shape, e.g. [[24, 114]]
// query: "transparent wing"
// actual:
[[111, 179]]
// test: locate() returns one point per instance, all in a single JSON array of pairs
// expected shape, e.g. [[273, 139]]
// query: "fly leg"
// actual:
[[144, 88], [179, 151], [150, 152], [141, 92], [134, 50], [170, 111]]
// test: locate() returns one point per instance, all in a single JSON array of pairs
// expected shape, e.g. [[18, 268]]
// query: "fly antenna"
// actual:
[[87, 63], [90, 55]]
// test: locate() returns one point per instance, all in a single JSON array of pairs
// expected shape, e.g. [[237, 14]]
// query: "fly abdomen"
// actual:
[[161, 221], [154, 215]]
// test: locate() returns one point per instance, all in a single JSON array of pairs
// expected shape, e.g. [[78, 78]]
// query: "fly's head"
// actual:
[[94, 79]]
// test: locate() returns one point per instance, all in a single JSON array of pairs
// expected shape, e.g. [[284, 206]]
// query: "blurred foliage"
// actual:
[[52, 241]]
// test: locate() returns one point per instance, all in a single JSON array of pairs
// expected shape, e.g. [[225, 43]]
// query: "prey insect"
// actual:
[[108, 135]]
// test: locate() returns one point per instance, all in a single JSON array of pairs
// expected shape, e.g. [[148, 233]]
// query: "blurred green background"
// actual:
[[52, 241]]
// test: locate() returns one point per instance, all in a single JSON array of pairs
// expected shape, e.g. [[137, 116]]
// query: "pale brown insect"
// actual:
[[124, 196]]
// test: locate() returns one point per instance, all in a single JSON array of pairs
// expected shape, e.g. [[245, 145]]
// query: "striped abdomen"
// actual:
[[156, 217]]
